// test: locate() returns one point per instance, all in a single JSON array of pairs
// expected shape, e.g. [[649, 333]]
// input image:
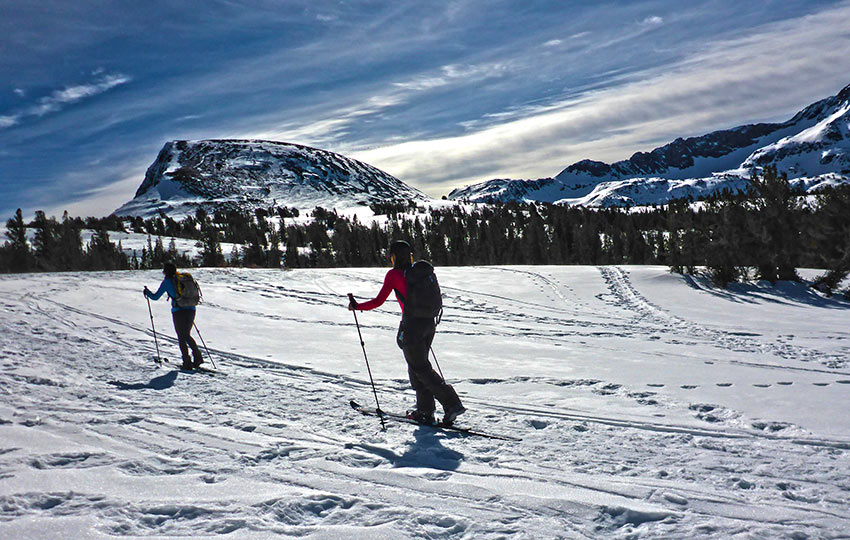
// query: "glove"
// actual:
[[352, 303], [146, 292]]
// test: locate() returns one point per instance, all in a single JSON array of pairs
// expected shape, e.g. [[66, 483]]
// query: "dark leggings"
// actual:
[[414, 339], [184, 319]]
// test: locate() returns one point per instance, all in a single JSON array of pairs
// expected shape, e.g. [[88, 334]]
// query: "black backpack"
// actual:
[[424, 299], [188, 291]]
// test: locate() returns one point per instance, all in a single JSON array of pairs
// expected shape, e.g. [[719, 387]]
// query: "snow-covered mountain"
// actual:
[[813, 147], [246, 174]]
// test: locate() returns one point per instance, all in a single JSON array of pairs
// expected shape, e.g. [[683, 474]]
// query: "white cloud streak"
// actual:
[[59, 99], [334, 126]]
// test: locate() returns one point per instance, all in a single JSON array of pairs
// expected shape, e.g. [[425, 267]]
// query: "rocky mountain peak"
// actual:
[[247, 174]]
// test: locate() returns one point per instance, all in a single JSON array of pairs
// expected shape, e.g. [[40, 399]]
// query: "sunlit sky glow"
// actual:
[[439, 94]]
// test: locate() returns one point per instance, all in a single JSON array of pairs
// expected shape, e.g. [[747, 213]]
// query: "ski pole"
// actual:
[[205, 345], [363, 345], [155, 340], [437, 364]]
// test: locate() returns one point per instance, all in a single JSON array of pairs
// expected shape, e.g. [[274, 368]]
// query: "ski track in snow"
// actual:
[[98, 442], [650, 316]]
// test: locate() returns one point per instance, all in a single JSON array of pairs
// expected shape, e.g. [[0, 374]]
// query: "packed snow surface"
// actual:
[[649, 405]]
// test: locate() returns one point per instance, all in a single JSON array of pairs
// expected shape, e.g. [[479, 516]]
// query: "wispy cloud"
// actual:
[[61, 98], [333, 127], [454, 74], [732, 82], [653, 20]]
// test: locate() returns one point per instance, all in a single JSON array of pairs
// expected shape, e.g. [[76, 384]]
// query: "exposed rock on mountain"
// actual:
[[247, 174]]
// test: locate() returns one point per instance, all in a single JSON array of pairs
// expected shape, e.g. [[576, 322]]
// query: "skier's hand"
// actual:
[[146, 291], [352, 303]]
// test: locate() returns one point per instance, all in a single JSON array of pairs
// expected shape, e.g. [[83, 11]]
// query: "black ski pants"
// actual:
[[184, 319], [414, 338]]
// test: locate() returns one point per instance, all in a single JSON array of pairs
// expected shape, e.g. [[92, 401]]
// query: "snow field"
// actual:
[[650, 405]]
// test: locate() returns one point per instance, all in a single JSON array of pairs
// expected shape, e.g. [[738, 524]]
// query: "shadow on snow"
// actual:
[[783, 292], [425, 451], [162, 382]]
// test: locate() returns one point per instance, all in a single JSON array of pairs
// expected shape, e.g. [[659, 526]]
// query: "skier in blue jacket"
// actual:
[[183, 317]]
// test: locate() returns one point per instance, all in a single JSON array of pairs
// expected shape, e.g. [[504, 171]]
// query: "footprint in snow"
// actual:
[[676, 499], [538, 424], [771, 426], [724, 384], [75, 460]]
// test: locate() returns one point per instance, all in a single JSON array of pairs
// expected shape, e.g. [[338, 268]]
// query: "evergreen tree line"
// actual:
[[765, 233], [59, 246]]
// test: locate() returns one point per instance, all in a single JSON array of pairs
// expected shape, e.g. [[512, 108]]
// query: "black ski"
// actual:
[[438, 426], [205, 371]]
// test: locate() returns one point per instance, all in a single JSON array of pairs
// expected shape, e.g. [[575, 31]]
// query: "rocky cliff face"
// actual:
[[222, 174]]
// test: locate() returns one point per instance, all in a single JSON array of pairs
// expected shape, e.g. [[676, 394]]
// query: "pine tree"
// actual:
[[722, 258], [20, 257], [44, 241], [774, 224], [211, 254], [830, 237], [102, 254], [69, 241]]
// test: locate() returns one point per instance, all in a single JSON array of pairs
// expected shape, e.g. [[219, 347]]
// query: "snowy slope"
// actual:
[[247, 174], [812, 147], [649, 405]]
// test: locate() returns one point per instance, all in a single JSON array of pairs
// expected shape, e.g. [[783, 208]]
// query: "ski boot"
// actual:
[[421, 417], [452, 413]]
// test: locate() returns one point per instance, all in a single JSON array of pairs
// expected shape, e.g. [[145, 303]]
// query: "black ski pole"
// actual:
[[205, 345], [155, 340], [363, 345], [437, 364]]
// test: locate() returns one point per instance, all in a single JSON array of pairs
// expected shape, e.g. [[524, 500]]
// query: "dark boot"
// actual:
[[453, 412], [187, 364], [422, 417], [197, 361]]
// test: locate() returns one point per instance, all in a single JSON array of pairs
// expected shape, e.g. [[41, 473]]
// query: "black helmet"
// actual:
[[169, 269], [400, 253]]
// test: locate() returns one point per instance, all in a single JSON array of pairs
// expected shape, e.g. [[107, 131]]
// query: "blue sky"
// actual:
[[439, 94]]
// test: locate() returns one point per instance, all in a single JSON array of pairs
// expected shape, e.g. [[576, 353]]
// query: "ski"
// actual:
[[205, 371], [438, 426]]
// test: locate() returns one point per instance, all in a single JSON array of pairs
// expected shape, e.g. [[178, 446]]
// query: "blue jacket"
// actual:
[[167, 286]]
